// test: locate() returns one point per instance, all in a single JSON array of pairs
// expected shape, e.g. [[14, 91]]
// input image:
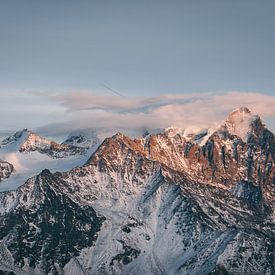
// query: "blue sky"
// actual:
[[138, 48]]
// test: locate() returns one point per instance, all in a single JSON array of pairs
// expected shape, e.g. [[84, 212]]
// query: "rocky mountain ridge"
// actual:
[[162, 204], [28, 141]]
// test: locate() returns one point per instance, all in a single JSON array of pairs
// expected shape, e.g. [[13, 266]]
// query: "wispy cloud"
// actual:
[[90, 110], [57, 113]]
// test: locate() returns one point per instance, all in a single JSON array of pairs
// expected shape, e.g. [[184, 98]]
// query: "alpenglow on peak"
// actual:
[[239, 122]]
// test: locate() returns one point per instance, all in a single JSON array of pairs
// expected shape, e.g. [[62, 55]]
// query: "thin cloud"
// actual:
[[77, 101], [126, 114]]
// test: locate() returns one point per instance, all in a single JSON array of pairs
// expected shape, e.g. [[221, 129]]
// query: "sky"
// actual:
[[155, 60]]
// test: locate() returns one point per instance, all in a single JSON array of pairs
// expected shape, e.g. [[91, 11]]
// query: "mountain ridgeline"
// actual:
[[28, 141], [166, 203]]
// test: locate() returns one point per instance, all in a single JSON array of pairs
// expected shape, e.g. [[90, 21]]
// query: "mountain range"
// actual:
[[169, 202]]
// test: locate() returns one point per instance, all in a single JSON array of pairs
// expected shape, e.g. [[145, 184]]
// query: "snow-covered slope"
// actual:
[[162, 204], [29, 154], [28, 141]]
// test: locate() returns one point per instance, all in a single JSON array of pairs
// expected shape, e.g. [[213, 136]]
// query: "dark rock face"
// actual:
[[74, 139], [250, 193], [6, 170], [51, 231], [84, 140], [128, 254]]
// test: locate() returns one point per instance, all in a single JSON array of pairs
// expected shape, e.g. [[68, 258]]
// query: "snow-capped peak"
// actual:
[[33, 141], [239, 122], [25, 140]]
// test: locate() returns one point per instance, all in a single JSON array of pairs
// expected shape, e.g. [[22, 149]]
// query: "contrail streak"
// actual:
[[110, 89]]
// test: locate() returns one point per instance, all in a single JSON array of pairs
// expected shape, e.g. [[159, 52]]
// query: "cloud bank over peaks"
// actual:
[[135, 114]]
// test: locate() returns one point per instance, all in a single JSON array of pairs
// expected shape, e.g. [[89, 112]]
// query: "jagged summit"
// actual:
[[241, 122], [35, 141]]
